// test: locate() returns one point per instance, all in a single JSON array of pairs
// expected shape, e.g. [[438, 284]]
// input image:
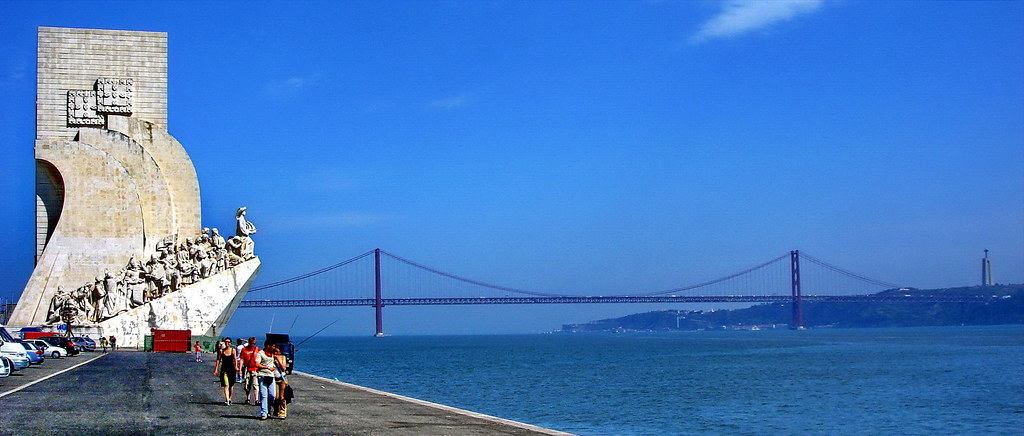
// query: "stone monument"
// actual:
[[119, 242]]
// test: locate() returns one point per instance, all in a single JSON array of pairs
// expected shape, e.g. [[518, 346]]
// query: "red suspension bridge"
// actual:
[[362, 281]]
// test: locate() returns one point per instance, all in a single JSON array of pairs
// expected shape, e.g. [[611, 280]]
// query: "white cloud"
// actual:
[[743, 16], [451, 102], [292, 85]]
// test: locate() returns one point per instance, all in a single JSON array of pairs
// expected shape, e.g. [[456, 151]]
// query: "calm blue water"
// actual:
[[944, 380]]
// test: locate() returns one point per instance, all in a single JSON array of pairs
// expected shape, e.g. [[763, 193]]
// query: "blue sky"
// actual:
[[575, 146]]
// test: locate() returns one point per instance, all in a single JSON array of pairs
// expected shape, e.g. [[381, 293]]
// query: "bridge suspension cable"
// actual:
[[718, 280], [309, 274], [465, 280], [844, 272]]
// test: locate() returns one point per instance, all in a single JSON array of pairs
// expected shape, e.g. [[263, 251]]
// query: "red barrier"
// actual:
[[171, 341]]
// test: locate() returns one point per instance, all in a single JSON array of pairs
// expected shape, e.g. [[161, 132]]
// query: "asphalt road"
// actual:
[[162, 393]]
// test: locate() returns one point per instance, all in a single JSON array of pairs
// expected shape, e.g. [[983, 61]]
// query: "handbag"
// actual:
[[289, 394]]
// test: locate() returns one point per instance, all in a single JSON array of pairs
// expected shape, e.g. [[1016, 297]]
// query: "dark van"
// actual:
[[283, 342]]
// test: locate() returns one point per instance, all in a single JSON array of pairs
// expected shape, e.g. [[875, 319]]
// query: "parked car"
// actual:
[[62, 342], [50, 350], [84, 343], [5, 366], [35, 355], [10, 348], [20, 359]]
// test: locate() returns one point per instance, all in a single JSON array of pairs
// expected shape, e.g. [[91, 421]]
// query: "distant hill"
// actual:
[[1006, 308]]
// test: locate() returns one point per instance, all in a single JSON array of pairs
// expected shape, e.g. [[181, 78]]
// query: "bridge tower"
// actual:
[[378, 303], [794, 268]]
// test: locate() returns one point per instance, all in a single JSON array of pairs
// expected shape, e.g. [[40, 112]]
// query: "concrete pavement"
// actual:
[[131, 392]]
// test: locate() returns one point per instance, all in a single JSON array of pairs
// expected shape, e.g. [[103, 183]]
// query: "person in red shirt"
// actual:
[[199, 352], [248, 358]]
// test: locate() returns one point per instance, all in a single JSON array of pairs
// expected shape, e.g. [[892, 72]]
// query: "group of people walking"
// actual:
[[261, 370]]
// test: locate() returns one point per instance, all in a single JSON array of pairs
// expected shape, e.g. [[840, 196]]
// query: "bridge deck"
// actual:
[[254, 302]]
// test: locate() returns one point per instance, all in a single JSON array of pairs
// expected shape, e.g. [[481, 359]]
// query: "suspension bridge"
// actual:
[[378, 278]]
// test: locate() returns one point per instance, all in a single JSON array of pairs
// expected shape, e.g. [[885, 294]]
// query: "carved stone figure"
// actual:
[[116, 301], [156, 275], [134, 284], [205, 264], [204, 237], [56, 304], [241, 244], [185, 267], [216, 239]]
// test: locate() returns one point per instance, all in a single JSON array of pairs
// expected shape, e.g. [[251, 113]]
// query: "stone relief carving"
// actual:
[[82, 109], [114, 95], [87, 107], [170, 268]]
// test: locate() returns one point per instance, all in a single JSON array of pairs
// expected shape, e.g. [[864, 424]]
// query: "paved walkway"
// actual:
[[161, 393]]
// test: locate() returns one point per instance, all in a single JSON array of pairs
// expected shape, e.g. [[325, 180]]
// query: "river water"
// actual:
[[912, 381]]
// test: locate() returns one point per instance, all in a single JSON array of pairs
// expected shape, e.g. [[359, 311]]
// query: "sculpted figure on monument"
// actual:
[[115, 301], [216, 240], [156, 275], [205, 264], [109, 287], [173, 272], [204, 237], [241, 244], [56, 304], [96, 297], [218, 252], [166, 245], [80, 300], [134, 285], [185, 266]]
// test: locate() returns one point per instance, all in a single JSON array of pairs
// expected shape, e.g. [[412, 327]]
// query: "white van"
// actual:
[[12, 349]]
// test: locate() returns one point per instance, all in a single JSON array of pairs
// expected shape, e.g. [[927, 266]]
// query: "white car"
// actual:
[[20, 359], [50, 350], [5, 366]]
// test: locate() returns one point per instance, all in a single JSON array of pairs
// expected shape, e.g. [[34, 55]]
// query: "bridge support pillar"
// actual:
[[378, 303], [797, 298]]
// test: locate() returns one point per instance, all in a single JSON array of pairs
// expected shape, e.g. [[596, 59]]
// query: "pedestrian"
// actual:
[[265, 372], [103, 343], [113, 343], [280, 366], [238, 356], [226, 369], [248, 356], [199, 351]]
